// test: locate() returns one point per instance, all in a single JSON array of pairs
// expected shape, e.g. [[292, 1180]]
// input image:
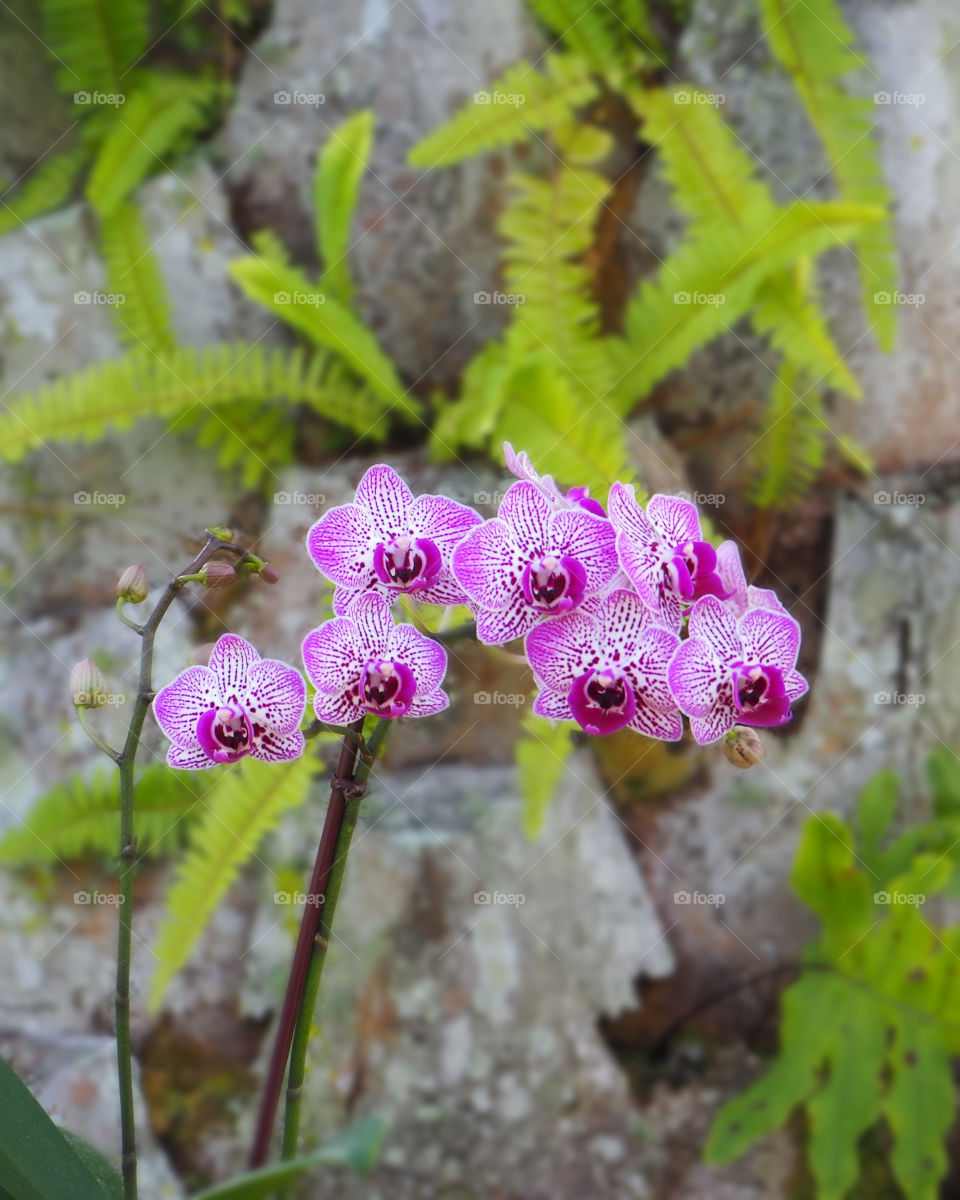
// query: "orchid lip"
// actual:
[[408, 562], [387, 687], [759, 694], [553, 583], [602, 701], [225, 734]]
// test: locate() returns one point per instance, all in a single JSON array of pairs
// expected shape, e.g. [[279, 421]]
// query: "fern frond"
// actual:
[[243, 806], [83, 405], [264, 442], [160, 117], [541, 757], [340, 168], [49, 185], [134, 273], [286, 291], [789, 449], [714, 181], [97, 42], [589, 30], [522, 100], [709, 282], [81, 816], [814, 45]]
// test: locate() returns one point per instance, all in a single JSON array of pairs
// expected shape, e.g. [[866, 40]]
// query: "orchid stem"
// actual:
[[95, 737], [353, 767]]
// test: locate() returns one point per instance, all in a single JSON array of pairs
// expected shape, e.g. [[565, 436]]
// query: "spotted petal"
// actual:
[[331, 655], [770, 638], [590, 539], [720, 720], [341, 545], [526, 512], [445, 522], [553, 705], [189, 759], [695, 675], [497, 627], [231, 660], [713, 622], [483, 563], [336, 709], [730, 570], [388, 500], [665, 726], [374, 621], [559, 650], [178, 706], [278, 747], [676, 520], [275, 696], [429, 704], [426, 658]]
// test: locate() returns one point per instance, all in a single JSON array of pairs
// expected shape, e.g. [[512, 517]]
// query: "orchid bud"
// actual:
[[223, 532], [132, 585], [269, 574], [217, 574], [88, 686], [742, 746]]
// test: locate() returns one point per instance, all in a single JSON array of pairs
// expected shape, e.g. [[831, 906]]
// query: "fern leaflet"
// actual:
[[48, 186], [97, 42], [789, 450], [340, 168], [133, 272]]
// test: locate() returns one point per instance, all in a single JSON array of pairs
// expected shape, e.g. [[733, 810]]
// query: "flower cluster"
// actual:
[[602, 597]]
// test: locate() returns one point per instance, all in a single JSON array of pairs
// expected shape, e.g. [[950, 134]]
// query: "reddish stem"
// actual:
[[347, 766]]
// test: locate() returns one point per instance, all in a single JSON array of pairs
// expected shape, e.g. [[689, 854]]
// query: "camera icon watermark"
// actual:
[[703, 499], [910, 899], [306, 299], [900, 299], [101, 499], [96, 298], [511, 99], [711, 899], [113, 899], [315, 899], [700, 299], [907, 99], [508, 699], [510, 899], [105, 99], [307, 99], [310, 499], [900, 499], [488, 497], [514, 298], [711, 99], [900, 699]]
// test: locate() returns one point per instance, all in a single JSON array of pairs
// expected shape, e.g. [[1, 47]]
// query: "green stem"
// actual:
[[318, 957], [95, 737], [126, 761]]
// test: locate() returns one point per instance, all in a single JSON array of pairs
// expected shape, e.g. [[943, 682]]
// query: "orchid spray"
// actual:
[[630, 619]]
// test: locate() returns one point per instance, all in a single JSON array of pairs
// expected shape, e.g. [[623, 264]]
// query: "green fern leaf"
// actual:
[[114, 394], [96, 42], [340, 168], [133, 272], [789, 450], [709, 283], [814, 46], [81, 816], [49, 185], [286, 291], [160, 117], [521, 101], [594, 32], [919, 1107], [255, 450], [240, 809], [541, 758]]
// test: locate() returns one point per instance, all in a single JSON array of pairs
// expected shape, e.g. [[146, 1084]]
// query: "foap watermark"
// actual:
[[509, 699], [711, 899], [900, 499], [110, 299], [310, 499], [515, 298], [488, 497], [307, 99], [908, 99], [99, 699], [900, 699], [901, 299], [98, 898], [713, 99], [703, 499], [306, 898], [913, 899], [511, 99], [511, 899], [700, 299], [102, 499], [106, 99], [309, 299]]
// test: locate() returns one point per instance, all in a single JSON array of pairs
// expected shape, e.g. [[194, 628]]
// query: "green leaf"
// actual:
[[161, 116], [520, 102], [143, 318], [356, 1148], [286, 291], [97, 1164], [943, 772], [240, 809], [340, 168], [541, 758], [875, 810], [919, 1106], [36, 1161], [95, 43], [47, 186], [828, 878], [81, 815]]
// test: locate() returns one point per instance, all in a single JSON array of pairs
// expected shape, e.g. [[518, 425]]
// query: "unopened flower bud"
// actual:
[[132, 585], [223, 532], [88, 687], [217, 574], [269, 574], [742, 746]]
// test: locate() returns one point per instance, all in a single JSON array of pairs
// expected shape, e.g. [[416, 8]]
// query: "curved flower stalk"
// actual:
[[531, 562], [736, 672], [238, 704], [390, 543]]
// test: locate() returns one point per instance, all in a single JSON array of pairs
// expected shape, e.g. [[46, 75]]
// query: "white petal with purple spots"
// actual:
[[388, 500]]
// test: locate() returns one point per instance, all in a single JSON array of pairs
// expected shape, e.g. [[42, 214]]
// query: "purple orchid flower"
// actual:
[[239, 704], [605, 667], [365, 663], [577, 497], [736, 672], [663, 553], [530, 563], [742, 598], [390, 543]]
